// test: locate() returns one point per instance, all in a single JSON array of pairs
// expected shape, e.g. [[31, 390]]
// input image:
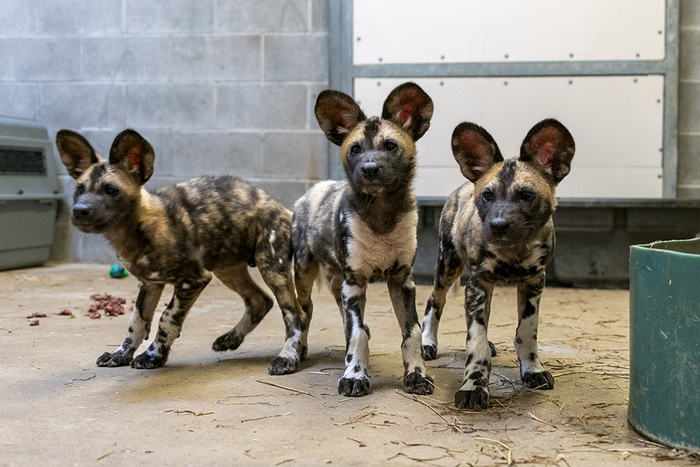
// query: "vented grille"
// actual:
[[22, 161]]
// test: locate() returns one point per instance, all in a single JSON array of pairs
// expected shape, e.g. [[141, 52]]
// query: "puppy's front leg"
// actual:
[[474, 393], [532, 373], [139, 325], [170, 324], [355, 381], [402, 291]]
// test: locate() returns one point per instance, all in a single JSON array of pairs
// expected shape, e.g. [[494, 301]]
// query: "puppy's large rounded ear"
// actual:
[[550, 147], [337, 114], [134, 154], [75, 151], [410, 108], [474, 149]]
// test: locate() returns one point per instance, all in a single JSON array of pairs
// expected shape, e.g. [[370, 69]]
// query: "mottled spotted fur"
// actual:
[[499, 224], [180, 235], [364, 229]]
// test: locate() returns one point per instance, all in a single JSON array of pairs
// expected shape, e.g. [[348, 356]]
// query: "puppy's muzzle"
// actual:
[[82, 213], [370, 170], [499, 226]]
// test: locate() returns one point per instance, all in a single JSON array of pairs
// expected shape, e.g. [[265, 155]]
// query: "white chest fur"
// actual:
[[369, 251]]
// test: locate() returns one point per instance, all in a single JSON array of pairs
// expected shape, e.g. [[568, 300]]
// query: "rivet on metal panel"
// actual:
[[661, 32], [571, 81], [637, 55], [380, 59], [506, 55], [379, 83], [571, 55], [635, 80], [358, 39], [442, 57], [442, 83], [658, 101], [505, 83], [21, 192]]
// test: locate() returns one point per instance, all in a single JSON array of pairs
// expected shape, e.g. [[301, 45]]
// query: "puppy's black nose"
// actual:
[[80, 211], [499, 225], [369, 169]]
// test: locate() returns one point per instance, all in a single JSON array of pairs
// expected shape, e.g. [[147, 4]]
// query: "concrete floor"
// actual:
[[206, 408]]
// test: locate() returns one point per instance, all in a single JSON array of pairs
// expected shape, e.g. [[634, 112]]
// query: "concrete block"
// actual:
[[296, 58], [688, 107], [320, 18], [39, 59], [688, 159], [295, 155], [261, 106], [261, 16], [127, 58], [217, 58], [17, 17], [689, 62], [75, 106], [157, 182], [286, 192], [78, 17], [170, 105], [216, 153], [19, 100], [314, 91], [689, 13], [170, 16]]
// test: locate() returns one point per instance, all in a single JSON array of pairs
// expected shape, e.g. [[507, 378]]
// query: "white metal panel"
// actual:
[[582, 182], [616, 121], [454, 31]]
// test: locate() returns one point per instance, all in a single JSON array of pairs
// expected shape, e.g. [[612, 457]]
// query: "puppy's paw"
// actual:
[[476, 399], [147, 361], [541, 380], [353, 387], [493, 349], [113, 359], [416, 383], [429, 352], [282, 366], [228, 341]]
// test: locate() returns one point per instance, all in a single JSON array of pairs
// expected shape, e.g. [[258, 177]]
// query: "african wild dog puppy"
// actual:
[[364, 229], [180, 235], [499, 224]]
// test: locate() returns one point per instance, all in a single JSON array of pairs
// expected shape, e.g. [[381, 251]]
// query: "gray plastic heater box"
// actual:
[[28, 193]]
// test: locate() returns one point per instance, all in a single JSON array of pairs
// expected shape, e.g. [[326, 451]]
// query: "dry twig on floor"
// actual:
[[191, 412], [509, 457], [268, 416], [284, 387]]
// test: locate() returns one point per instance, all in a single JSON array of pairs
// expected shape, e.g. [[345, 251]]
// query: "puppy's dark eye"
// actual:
[[111, 190], [526, 195], [80, 189], [356, 148], [487, 196], [390, 146]]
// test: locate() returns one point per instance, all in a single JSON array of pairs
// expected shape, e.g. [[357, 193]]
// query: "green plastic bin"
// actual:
[[664, 399]]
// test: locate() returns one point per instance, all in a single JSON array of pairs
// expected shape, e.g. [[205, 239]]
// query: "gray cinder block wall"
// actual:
[[689, 101], [216, 86]]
